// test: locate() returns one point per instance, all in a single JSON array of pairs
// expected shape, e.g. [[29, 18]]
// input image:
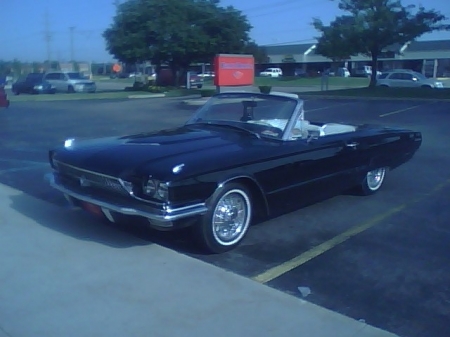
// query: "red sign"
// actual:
[[117, 68], [234, 70]]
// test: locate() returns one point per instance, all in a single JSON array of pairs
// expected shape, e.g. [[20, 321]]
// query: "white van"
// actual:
[[272, 72]]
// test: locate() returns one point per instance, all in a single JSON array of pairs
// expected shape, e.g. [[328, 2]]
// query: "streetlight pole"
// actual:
[[72, 57]]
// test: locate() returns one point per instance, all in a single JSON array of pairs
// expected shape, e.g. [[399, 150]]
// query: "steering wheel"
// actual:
[[268, 128]]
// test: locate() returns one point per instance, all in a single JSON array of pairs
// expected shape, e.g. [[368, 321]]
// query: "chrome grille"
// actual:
[[91, 179]]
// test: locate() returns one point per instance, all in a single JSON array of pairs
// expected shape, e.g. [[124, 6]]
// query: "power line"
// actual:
[[289, 42], [272, 32]]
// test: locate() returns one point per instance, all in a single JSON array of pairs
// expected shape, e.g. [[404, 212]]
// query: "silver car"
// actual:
[[407, 78], [70, 82]]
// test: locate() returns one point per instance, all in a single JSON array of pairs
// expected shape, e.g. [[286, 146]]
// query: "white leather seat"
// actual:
[[305, 128], [334, 128]]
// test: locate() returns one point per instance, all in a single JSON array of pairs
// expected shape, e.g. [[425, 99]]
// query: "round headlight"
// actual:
[[163, 191], [149, 187]]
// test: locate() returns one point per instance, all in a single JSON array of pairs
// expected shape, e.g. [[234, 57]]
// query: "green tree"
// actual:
[[175, 32], [373, 25], [16, 67], [258, 52]]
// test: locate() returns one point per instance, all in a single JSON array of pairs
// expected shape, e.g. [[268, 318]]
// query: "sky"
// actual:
[[275, 22]]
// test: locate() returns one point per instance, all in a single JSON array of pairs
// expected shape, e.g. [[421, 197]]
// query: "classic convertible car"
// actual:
[[241, 155]]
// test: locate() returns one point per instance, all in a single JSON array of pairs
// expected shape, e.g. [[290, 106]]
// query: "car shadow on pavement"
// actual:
[[81, 225]]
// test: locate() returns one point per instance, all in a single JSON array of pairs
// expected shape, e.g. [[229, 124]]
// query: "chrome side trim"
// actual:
[[166, 215]]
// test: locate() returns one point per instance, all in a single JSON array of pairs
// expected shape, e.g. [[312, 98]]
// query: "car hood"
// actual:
[[157, 152]]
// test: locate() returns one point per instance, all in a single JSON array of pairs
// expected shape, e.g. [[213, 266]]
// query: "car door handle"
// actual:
[[352, 145]]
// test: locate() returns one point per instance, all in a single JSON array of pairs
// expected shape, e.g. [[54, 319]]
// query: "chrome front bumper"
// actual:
[[158, 217]]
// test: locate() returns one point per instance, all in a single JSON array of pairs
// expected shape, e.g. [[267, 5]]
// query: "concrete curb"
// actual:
[[82, 98], [147, 96], [195, 101]]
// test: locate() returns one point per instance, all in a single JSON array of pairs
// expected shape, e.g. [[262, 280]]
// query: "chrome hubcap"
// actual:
[[375, 178], [231, 217]]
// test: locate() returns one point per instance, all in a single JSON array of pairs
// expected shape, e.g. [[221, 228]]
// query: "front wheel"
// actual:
[[70, 89], [228, 218], [373, 181]]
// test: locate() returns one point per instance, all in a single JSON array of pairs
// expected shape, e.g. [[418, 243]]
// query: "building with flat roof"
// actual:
[[429, 57]]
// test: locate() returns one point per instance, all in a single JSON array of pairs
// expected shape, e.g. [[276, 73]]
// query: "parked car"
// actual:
[[239, 156], [32, 83], [364, 71], [272, 72], [9, 79], [300, 72], [342, 72], [207, 74], [194, 80], [407, 78], [70, 82], [138, 74]]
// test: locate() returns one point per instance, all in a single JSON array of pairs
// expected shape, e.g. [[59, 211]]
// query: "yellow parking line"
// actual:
[[406, 109], [297, 261]]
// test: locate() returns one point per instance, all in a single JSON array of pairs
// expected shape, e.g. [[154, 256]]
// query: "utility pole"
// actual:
[[72, 57], [47, 35]]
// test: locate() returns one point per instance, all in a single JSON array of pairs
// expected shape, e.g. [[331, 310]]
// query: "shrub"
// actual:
[[265, 89], [207, 92], [156, 89], [138, 85]]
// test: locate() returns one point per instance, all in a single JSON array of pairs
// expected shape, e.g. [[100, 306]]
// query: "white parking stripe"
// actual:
[[405, 109], [24, 165], [329, 106], [18, 169]]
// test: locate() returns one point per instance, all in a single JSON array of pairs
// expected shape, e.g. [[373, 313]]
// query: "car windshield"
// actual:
[[266, 115], [76, 76]]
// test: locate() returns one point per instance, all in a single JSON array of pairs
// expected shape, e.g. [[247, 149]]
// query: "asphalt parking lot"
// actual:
[[382, 259]]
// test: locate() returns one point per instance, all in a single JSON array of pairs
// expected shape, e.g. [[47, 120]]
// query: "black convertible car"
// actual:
[[241, 155]]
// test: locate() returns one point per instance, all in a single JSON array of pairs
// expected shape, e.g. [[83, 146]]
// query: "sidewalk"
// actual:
[[63, 273]]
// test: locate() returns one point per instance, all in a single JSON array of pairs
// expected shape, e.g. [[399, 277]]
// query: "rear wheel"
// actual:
[[228, 218], [373, 181]]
